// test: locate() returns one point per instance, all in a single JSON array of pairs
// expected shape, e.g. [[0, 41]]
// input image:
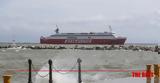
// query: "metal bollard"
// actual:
[[50, 70], [79, 70], [7, 78], [30, 72]]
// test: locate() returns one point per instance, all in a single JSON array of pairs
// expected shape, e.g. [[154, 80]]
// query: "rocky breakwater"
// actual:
[[152, 48]]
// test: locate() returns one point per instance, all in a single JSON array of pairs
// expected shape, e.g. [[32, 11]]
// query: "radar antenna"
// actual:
[[57, 30]]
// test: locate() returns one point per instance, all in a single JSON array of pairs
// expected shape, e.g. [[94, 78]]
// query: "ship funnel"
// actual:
[[57, 30], [110, 29]]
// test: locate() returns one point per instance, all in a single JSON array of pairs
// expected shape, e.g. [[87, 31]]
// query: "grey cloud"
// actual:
[[29, 19]]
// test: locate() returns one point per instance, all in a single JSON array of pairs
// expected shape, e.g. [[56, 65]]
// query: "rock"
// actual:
[[61, 47], [130, 47], [156, 48], [135, 49], [97, 48]]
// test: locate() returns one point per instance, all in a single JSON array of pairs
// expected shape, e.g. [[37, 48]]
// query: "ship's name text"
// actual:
[[78, 41]]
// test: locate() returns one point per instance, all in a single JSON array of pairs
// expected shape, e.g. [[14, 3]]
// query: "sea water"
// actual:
[[65, 59], [99, 60]]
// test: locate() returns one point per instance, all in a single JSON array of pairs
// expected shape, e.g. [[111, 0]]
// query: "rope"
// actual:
[[43, 76], [73, 67]]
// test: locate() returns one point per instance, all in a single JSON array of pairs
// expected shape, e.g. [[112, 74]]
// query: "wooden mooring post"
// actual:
[[7, 76], [156, 71], [148, 79]]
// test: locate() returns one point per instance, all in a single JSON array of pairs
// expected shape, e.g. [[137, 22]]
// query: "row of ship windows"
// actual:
[[79, 35], [87, 37]]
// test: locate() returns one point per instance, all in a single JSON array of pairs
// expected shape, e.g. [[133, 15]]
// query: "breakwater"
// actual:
[[153, 48]]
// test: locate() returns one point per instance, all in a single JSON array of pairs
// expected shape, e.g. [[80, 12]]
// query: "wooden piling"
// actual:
[[7, 76], [156, 73], [148, 71]]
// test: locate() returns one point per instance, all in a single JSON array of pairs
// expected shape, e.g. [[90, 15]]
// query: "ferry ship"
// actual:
[[104, 38]]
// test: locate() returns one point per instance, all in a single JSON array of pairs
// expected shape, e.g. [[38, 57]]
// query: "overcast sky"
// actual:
[[27, 20]]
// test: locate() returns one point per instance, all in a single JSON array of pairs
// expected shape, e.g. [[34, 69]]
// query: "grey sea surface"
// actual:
[[14, 60]]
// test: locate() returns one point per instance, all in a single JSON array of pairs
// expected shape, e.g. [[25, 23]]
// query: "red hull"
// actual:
[[116, 41]]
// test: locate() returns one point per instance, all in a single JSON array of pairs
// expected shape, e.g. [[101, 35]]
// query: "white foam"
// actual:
[[107, 60], [57, 77]]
